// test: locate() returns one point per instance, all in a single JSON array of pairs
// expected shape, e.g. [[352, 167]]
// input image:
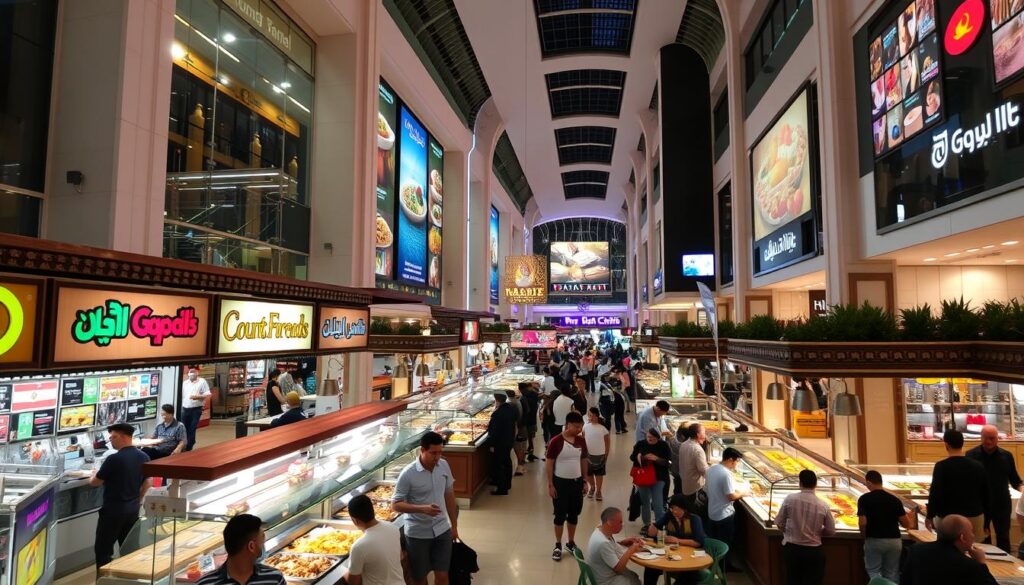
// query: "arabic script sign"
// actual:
[[342, 329], [124, 325], [1003, 119]]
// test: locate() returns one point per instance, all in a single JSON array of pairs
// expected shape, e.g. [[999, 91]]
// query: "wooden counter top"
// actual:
[[216, 461]]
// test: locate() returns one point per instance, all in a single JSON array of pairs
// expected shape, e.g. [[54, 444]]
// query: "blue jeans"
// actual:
[[882, 557], [651, 496]]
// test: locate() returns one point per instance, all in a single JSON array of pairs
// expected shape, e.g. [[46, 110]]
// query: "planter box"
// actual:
[[1001, 360], [647, 340], [860, 359], [692, 347], [496, 336], [412, 343]]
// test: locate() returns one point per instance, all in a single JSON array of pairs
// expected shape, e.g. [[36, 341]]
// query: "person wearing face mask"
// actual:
[[123, 489], [194, 392], [244, 541]]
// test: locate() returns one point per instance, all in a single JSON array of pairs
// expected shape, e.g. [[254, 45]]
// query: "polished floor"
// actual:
[[512, 534]]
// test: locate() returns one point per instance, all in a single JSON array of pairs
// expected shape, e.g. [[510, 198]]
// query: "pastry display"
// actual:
[[382, 492], [381, 510], [325, 540], [307, 567], [238, 508], [790, 464], [462, 438], [299, 472], [843, 507]]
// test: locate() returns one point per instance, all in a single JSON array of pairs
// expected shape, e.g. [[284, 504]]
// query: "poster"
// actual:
[[5, 397], [1008, 39], [526, 279], [493, 239], [435, 173], [29, 425], [143, 409], [113, 388], [580, 268], [781, 166], [109, 413], [34, 395], [76, 417], [31, 527], [534, 339], [412, 200], [385, 191]]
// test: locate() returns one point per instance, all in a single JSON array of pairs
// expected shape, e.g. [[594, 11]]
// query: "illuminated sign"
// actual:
[[261, 327], [103, 325], [470, 332], [964, 26], [526, 280], [342, 329], [1003, 119], [587, 321], [18, 312]]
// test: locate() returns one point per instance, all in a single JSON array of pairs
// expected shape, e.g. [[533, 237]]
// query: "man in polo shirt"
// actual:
[[171, 434], [123, 489], [567, 470], [244, 541], [424, 494], [194, 392]]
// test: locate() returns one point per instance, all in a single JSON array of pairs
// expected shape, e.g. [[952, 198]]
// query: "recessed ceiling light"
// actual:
[[930, 259], [286, 84], [969, 250], [951, 254], [1010, 242], [988, 246]]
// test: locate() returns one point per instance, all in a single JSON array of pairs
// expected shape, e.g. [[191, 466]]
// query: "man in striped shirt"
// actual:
[[804, 518], [244, 540]]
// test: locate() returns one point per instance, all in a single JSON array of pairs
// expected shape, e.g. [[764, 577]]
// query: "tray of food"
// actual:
[[325, 540], [381, 492], [789, 464], [381, 511], [302, 567], [843, 506]]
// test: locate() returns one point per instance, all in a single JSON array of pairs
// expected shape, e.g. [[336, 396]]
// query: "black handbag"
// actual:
[[463, 564], [634, 505]]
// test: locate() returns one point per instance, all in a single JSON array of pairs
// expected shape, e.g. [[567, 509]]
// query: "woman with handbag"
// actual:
[[650, 459]]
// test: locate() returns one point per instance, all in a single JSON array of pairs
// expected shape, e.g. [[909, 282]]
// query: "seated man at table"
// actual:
[[293, 414], [952, 558], [170, 433], [608, 558], [681, 527]]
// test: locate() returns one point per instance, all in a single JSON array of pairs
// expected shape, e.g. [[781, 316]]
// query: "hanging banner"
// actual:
[[707, 300], [526, 280]]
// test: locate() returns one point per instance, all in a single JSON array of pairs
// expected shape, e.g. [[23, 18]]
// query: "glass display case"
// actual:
[[460, 414], [933, 404], [769, 471], [28, 521], [654, 381], [301, 496], [703, 410]]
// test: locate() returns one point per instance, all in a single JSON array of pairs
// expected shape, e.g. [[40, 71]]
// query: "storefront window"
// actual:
[[26, 69], [238, 153]]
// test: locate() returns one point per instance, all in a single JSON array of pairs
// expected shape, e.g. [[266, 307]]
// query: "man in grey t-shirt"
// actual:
[[608, 558]]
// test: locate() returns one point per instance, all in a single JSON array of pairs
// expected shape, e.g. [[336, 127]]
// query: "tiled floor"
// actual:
[[512, 534]]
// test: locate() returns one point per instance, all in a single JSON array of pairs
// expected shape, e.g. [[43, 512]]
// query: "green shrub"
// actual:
[[918, 324], [958, 321], [1002, 321], [380, 326], [762, 328], [499, 327]]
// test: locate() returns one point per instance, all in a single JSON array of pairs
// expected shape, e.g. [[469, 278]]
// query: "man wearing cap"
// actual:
[[293, 414], [123, 489]]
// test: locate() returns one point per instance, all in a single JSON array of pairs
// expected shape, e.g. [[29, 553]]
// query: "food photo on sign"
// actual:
[[412, 199], [782, 173], [385, 190], [580, 267]]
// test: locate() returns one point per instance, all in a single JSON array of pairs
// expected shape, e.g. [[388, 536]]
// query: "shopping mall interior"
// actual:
[[788, 231]]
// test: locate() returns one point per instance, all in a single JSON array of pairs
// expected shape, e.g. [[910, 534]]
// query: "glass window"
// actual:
[[27, 35], [239, 134]]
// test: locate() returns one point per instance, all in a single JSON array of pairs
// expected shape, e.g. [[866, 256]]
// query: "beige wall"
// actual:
[[880, 421], [916, 285], [788, 305]]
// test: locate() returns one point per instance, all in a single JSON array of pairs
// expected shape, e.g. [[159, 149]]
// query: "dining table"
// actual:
[[689, 559]]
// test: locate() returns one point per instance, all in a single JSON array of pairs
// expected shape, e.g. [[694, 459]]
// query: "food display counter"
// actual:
[[28, 523], [702, 409], [653, 381], [298, 479]]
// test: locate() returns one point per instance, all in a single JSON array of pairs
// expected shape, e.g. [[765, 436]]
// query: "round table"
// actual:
[[688, 562]]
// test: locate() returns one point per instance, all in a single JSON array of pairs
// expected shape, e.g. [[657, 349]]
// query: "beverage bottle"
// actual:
[[661, 538]]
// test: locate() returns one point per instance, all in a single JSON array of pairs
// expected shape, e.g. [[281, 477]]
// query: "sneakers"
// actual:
[[570, 546], [556, 555]]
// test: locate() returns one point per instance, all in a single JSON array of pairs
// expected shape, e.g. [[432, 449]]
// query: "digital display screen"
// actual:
[[470, 331], [387, 121], [1007, 38], [579, 268], [76, 417], [493, 249], [412, 199], [534, 339], [32, 560], [698, 264], [29, 425]]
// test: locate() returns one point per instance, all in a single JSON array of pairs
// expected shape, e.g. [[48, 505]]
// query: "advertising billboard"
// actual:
[[526, 280], [470, 332], [387, 121], [493, 249], [257, 327], [534, 339], [580, 268], [412, 199]]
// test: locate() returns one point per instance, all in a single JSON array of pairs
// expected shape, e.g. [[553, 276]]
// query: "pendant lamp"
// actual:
[[804, 399], [844, 404], [446, 363], [402, 369], [775, 390], [423, 369]]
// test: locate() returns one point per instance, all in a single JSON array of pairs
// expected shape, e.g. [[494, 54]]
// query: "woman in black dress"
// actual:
[[274, 396]]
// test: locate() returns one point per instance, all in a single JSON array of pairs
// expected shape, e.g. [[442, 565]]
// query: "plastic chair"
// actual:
[[586, 575], [715, 575], [881, 581]]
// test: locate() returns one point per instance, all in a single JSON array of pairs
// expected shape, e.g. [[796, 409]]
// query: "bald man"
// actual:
[[1000, 471], [952, 558]]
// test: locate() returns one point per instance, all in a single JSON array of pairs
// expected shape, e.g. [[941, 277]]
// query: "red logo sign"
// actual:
[[964, 26]]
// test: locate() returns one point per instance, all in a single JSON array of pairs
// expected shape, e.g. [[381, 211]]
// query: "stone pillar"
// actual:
[[112, 92]]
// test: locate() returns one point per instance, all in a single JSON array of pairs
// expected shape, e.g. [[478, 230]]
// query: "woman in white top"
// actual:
[[599, 442]]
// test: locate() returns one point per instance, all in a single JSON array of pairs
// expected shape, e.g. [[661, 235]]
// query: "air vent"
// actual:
[[585, 184], [585, 144], [585, 92], [568, 27]]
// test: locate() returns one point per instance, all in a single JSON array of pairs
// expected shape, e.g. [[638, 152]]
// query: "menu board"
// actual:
[[30, 425], [387, 121], [1007, 38], [412, 202], [493, 239], [76, 417], [110, 413], [34, 395], [435, 170], [5, 397], [143, 409], [139, 386], [113, 388], [580, 268], [906, 85]]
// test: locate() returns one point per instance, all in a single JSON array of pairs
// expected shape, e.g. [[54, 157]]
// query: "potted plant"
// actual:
[[404, 337]]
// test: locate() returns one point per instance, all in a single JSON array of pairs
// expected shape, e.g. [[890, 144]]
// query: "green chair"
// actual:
[[715, 575], [586, 575], [881, 581]]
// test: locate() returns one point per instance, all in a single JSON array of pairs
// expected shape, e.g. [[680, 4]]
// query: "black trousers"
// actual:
[[620, 412], [111, 527], [501, 467], [805, 565], [677, 486], [724, 530], [154, 454], [999, 525], [190, 418]]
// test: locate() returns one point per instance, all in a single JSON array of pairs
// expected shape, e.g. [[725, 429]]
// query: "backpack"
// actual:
[[565, 371]]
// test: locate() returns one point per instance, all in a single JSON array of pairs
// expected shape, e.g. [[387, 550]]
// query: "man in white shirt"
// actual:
[[376, 558], [722, 492], [194, 392], [598, 441], [608, 558], [548, 385]]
